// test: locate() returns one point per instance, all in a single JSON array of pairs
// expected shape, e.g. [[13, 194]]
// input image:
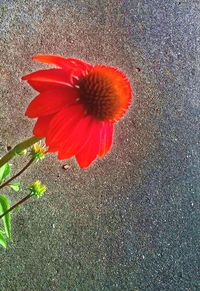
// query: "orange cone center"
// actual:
[[100, 94]]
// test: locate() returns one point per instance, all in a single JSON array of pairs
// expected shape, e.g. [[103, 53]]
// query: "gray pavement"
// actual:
[[132, 220]]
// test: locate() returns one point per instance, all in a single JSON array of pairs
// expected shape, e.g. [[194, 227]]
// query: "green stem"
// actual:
[[19, 173], [18, 148], [15, 205]]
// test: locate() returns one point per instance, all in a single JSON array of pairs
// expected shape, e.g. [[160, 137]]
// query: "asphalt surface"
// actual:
[[132, 220]]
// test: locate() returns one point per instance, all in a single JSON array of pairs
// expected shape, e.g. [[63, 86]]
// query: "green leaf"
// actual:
[[4, 171], [15, 186], [2, 239], [4, 205]]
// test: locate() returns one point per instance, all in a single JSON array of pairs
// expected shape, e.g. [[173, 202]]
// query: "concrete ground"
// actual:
[[131, 221]]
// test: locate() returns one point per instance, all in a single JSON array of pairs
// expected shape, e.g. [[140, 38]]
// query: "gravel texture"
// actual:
[[132, 220]]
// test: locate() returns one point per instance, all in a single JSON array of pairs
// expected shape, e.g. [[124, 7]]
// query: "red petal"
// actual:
[[62, 124], [106, 138], [55, 76], [102, 139], [53, 149], [44, 86], [51, 59], [50, 102], [77, 139], [65, 63], [42, 125], [89, 152], [79, 63]]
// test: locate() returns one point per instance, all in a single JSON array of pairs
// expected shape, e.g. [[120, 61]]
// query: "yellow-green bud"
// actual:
[[38, 151], [37, 189]]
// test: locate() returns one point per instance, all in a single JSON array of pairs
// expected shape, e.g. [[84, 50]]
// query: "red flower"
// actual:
[[77, 107]]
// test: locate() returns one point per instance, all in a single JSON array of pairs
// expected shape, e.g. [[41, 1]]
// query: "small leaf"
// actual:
[[15, 186], [4, 205], [2, 239], [4, 171]]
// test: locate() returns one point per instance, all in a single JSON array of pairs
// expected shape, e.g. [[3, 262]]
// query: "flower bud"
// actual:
[[38, 152], [37, 189]]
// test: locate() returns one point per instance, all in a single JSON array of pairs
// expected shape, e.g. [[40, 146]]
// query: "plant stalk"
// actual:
[[17, 149], [15, 205], [19, 173]]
